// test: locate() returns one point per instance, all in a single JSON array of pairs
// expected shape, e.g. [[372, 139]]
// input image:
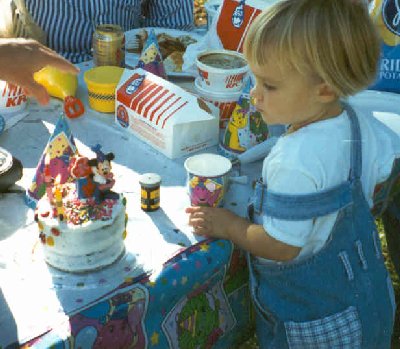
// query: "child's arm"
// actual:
[[221, 223]]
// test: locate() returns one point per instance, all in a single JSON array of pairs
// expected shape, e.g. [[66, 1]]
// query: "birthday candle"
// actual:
[[58, 200]]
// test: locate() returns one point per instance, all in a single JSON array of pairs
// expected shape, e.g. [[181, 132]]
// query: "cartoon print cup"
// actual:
[[207, 179]]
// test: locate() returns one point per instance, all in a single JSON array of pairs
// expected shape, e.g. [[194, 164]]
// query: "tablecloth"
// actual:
[[170, 289]]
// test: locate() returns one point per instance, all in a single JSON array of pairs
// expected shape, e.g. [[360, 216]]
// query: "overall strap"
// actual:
[[355, 150], [307, 206]]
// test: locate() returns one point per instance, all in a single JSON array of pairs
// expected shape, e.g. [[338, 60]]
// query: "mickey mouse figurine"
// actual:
[[102, 175]]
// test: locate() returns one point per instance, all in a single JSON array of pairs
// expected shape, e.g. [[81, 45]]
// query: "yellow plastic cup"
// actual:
[[101, 83]]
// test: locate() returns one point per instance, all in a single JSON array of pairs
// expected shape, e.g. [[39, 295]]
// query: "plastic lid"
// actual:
[[150, 179]]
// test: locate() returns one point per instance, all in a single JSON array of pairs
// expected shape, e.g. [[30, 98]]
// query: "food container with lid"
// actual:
[[221, 70]]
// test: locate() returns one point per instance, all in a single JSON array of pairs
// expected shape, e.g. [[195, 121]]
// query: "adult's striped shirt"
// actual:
[[69, 24]]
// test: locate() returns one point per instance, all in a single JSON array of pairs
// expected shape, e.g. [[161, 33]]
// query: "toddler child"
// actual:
[[317, 274]]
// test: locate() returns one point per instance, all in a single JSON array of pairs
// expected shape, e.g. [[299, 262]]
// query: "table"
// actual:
[[171, 288]]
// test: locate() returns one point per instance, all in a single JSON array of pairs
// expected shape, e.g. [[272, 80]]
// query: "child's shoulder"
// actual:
[[315, 138], [311, 151]]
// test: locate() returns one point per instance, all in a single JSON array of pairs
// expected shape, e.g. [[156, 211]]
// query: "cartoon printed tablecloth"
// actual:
[[199, 300]]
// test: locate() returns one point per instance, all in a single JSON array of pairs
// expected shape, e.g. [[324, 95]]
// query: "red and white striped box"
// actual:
[[162, 114]]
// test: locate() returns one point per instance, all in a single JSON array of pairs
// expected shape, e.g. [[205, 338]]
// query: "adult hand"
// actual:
[[21, 58]]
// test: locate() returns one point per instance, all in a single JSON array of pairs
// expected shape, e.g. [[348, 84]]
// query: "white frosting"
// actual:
[[82, 247]]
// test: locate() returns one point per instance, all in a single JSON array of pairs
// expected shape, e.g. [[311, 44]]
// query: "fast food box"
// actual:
[[162, 114]]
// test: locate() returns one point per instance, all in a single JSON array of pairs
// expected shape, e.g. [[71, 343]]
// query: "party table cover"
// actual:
[[170, 289]]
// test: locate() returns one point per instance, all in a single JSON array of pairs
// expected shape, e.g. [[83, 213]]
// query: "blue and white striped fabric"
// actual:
[[170, 14], [70, 24]]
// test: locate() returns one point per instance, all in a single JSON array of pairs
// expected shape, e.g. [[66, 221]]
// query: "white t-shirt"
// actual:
[[317, 157]]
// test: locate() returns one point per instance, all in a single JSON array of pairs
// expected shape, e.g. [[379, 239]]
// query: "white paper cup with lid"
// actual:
[[221, 70]]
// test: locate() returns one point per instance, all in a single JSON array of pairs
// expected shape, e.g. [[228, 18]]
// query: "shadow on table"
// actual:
[[10, 220], [170, 232], [8, 327], [104, 307]]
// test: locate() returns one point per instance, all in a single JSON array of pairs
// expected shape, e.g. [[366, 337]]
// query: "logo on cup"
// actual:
[[205, 191], [234, 80]]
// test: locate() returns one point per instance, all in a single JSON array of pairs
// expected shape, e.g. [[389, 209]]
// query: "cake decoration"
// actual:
[[102, 175], [81, 221], [54, 162], [151, 59]]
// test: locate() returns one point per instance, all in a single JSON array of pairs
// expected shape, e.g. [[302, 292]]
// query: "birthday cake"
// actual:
[[81, 221]]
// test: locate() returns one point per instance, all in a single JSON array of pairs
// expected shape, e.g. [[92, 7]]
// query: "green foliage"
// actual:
[[396, 284]]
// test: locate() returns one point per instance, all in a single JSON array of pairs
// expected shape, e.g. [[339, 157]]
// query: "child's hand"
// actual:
[[211, 221]]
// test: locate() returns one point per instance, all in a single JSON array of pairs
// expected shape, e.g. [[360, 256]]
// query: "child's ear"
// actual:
[[325, 93]]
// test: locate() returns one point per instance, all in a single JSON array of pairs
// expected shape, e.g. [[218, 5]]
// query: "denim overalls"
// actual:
[[341, 297]]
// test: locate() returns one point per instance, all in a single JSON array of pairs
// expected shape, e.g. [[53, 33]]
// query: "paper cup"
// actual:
[[101, 83], [207, 179], [221, 70], [12, 98]]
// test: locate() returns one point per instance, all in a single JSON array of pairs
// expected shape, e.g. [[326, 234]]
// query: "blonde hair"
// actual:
[[333, 40]]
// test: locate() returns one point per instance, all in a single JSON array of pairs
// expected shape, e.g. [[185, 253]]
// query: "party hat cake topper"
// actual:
[[54, 163], [246, 126], [151, 59]]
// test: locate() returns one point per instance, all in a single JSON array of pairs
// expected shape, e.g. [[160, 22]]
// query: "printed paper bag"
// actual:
[[386, 16]]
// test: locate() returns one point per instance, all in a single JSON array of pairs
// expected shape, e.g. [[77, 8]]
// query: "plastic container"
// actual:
[[150, 191], [211, 7], [222, 70], [101, 83], [224, 102]]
